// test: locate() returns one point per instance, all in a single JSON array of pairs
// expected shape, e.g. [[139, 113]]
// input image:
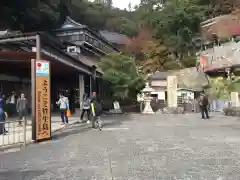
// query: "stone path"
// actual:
[[160, 147]]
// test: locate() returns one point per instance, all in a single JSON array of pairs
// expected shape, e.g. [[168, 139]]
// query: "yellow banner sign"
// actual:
[[43, 108]]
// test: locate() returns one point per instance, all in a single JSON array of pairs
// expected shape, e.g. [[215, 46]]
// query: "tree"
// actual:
[[120, 70], [175, 24], [221, 7], [28, 15], [152, 55], [122, 25], [221, 87], [44, 15]]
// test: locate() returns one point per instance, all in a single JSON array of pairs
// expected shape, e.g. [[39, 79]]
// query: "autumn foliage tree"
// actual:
[[152, 55]]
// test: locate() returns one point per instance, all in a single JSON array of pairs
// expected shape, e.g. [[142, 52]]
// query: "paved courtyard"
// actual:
[[168, 147], [15, 135]]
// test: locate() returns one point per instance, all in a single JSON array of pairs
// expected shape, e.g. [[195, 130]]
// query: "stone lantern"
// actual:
[[147, 99]]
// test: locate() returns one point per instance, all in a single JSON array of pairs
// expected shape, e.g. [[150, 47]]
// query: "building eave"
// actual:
[[51, 45]]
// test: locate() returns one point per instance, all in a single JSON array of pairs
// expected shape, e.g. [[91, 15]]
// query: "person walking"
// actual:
[[2, 101], [204, 103], [12, 104], [3, 114], [96, 111], [86, 107], [22, 108], [3, 117], [64, 106]]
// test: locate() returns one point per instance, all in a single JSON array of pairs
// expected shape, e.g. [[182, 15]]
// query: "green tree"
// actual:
[[219, 88], [122, 25], [31, 15], [222, 87], [28, 15], [175, 23], [120, 70]]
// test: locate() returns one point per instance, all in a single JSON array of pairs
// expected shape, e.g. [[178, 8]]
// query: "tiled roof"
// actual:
[[159, 75], [223, 26], [187, 78], [114, 37], [70, 23], [191, 78]]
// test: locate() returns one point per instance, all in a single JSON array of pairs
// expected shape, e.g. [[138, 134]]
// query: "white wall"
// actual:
[[159, 87], [160, 95]]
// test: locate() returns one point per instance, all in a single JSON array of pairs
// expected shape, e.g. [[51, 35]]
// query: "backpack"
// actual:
[[63, 103], [86, 104], [97, 108]]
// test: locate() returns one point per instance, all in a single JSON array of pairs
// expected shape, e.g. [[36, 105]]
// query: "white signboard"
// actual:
[[42, 68], [116, 105], [235, 99]]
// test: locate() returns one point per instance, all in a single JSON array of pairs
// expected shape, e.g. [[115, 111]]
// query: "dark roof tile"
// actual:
[[114, 37], [159, 75]]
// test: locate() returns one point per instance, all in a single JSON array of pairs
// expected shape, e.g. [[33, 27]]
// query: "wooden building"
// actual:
[[73, 51], [219, 46]]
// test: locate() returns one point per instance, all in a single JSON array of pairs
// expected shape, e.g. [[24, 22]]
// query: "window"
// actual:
[[87, 38], [96, 43]]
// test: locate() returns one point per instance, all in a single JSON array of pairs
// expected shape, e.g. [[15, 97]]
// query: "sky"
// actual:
[[124, 3]]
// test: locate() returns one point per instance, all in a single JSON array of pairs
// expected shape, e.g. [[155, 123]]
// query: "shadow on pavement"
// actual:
[[71, 130], [108, 121], [18, 174]]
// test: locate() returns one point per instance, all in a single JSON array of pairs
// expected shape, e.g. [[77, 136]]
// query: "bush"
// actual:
[[233, 111], [156, 105]]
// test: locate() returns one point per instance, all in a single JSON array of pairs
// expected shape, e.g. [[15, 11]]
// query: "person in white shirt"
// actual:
[[12, 104], [86, 107], [64, 106]]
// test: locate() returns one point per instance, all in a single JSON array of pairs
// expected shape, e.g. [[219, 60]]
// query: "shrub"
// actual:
[[233, 111]]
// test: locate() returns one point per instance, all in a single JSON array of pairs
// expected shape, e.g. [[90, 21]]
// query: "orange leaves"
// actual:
[[150, 54], [137, 44]]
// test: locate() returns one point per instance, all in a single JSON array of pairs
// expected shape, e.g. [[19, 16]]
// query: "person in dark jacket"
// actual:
[[2, 119], [22, 108], [203, 104], [2, 101], [96, 111], [2, 114]]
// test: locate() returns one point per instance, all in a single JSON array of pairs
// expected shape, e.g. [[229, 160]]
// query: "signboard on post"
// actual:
[[43, 108]]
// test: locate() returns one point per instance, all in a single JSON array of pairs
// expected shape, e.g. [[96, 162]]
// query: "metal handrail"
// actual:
[[13, 132]]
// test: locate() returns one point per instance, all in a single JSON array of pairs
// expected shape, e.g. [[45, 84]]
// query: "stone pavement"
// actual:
[[134, 147], [15, 135]]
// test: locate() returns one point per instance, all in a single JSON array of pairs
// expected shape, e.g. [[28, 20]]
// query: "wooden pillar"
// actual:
[[81, 89]]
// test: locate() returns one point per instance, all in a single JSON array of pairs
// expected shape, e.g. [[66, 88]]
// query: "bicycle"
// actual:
[[97, 123]]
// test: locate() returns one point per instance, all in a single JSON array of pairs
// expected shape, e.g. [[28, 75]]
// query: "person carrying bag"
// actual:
[[64, 108]]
